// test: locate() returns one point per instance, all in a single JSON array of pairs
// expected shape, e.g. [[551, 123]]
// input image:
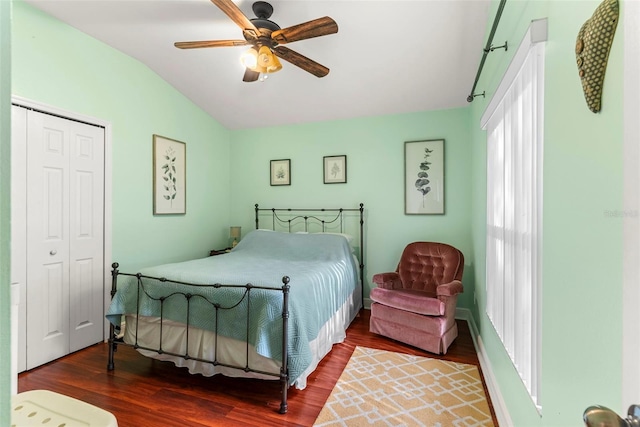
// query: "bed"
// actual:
[[271, 308]]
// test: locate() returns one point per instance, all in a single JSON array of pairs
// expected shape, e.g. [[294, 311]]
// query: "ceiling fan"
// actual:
[[266, 38]]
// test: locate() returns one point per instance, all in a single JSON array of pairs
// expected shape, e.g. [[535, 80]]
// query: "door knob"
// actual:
[[600, 416], [53, 252]]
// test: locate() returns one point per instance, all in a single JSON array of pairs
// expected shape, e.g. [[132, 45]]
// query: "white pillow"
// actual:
[[349, 237]]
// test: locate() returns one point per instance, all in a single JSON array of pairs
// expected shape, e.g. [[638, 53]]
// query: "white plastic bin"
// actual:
[[43, 407]]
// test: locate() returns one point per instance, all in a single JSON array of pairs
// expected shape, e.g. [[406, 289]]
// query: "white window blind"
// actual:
[[514, 124]]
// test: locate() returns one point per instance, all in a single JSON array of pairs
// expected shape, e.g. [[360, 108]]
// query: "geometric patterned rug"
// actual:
[[384, 388]]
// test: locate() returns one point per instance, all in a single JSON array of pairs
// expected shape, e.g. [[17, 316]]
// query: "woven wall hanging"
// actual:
[[592, 51]]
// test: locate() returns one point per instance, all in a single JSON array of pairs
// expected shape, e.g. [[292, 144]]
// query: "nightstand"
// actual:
[[214, 252]]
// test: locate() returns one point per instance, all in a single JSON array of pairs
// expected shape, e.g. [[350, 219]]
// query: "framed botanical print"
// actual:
[[169, 176], [280, 172], [424, 177], [335, 169]]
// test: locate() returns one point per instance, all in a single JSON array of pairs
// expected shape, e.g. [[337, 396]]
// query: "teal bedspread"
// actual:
[[322, 276]]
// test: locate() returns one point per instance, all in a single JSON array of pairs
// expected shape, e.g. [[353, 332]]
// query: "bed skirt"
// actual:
[[231, 351]]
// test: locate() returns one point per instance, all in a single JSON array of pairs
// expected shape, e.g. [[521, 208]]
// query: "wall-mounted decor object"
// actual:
[[335, 169], [280, 172], [169, 176], [424, 177], [592, 51]]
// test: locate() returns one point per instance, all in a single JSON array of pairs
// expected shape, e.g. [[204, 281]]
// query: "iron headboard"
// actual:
[[326, 219]]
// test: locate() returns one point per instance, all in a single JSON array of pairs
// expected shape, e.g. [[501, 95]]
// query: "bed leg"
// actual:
[[283, 404], [112, 331], [284, 369], [112, 349]]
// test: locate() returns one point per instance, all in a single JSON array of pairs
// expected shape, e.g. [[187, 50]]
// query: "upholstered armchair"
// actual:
[[416, 304]]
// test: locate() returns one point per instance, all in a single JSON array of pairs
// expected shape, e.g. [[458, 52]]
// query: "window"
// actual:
[[631, 259], [514, 124]]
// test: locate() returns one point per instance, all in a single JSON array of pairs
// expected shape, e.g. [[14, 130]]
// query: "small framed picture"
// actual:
[[424, 177], [169, 176], [280, 172], [335, 169]]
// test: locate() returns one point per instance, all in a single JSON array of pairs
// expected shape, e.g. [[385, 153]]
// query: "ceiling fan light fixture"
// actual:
[[268, 61], [275, 65], [249, 59]]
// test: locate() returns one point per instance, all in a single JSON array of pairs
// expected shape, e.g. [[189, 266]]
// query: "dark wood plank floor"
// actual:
[[142, 392]]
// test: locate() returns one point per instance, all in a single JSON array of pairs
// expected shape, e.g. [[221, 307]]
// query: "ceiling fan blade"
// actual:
[[301, 61], [306, 30], [210, 43], [236, 15], [250, 75]]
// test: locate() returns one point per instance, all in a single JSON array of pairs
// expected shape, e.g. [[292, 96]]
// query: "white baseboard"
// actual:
[[499, 405]]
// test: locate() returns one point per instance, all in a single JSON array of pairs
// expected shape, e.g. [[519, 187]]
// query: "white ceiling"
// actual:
[[388, 57]]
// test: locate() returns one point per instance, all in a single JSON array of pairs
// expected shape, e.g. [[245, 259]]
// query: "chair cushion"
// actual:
[[415, 301]]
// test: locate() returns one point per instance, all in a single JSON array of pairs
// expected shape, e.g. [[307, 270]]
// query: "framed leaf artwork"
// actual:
[[169, 176], [424, 177], [280, 172], [334, 169]]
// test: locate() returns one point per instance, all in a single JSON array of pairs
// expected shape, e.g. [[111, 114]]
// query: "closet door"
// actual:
[[47, 238], [65, 167], [86, 233]]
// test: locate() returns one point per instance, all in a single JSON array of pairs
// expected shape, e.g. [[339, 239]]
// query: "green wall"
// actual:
[[5, 211], [58, 65], [582, 246], [375, 176], [228, 172]]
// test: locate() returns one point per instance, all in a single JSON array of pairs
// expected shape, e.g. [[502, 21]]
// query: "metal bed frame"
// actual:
[[332, 217], [143, 282]]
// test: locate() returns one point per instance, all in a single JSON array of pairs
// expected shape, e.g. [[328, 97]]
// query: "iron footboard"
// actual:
[[244, 299]]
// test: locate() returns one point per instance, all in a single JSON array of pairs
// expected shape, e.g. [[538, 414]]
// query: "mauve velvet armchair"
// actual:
[[416, 304]]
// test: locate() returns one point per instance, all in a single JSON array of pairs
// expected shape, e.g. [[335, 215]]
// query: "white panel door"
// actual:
[[86, 219], [47, 238], [64, 236]]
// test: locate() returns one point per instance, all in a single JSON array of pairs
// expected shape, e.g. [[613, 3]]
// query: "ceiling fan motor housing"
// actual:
[[263, 12], [262, 9]]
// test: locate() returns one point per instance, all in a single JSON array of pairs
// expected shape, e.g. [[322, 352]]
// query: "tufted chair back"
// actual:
[[425, 265]]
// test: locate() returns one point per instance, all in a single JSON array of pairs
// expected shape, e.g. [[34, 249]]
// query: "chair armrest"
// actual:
[[449, 289], [387, 280]]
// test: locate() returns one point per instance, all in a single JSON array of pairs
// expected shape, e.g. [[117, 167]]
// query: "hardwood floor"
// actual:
[[143, 392]]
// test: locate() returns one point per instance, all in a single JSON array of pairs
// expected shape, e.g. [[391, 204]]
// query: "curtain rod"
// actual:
[[488, 48]]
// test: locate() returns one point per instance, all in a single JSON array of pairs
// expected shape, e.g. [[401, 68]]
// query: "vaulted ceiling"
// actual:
[[388, 57]]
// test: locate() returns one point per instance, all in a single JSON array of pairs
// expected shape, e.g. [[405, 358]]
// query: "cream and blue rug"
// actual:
[[383, 388]]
